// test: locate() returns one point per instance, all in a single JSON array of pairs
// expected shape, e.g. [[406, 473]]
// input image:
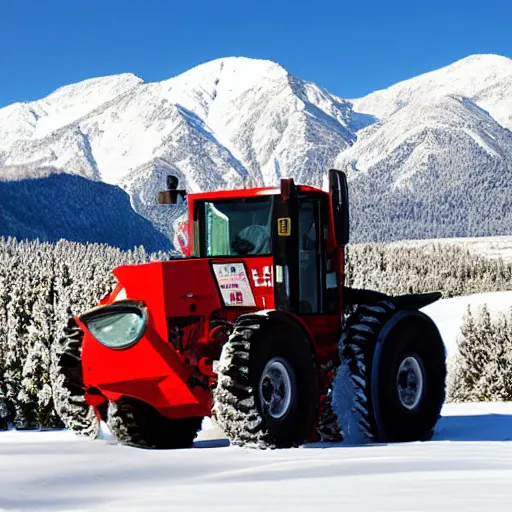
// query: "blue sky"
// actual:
[[350, 48]]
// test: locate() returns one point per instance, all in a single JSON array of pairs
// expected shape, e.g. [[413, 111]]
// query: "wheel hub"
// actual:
[[409, 382], [275, 387]]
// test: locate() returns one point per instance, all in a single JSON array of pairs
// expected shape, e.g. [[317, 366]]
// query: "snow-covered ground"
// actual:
[[467, 467], [448, 313]]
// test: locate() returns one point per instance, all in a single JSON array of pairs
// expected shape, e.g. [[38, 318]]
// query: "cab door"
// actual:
[[318, 294]]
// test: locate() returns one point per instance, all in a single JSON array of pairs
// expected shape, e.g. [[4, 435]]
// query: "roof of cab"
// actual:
[[248, 192]]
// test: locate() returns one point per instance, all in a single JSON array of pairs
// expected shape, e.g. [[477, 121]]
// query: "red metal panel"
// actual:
[[189, 288], [324, 331], [150, 371]]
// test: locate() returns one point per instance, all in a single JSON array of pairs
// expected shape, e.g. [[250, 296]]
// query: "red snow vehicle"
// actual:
[[251, 326]]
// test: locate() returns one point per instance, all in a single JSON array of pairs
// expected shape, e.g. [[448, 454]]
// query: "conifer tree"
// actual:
[[18, 318], [5, 409], [483, 366], [36, 383]]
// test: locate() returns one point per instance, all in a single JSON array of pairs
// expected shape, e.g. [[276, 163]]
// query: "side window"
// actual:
[[309, 262], [318, 286], [217, 231]]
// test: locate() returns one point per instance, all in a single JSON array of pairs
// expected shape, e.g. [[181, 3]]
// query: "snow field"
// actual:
[[465, 468], [448, 313]]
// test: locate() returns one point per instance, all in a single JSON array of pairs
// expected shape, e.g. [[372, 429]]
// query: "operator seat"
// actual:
[[254, 239]]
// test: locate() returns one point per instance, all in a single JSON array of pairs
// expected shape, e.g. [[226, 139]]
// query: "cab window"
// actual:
[[240, 227]]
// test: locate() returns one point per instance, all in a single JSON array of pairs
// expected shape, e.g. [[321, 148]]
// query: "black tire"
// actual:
[[68, 386], [239, 396], [372, 399], [135, 423]]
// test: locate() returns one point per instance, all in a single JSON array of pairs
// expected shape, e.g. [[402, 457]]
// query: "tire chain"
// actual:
[[233, 395], [356, 346]]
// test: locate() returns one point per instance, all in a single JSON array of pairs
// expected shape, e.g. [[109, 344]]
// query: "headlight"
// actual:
[[118, 325]]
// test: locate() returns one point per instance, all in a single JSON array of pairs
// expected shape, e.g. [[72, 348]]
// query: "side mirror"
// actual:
[[338, 188], [172, 195]]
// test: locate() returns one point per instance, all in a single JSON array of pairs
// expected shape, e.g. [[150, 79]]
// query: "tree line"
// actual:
[[42, 285], [400, 269]]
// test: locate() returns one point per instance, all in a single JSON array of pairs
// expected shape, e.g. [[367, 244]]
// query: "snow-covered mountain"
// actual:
[[59, 205], [484, 79], [238, 122], [440, 156], [218, 123]]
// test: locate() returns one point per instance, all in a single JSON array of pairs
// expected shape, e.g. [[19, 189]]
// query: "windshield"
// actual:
[[238, 227]]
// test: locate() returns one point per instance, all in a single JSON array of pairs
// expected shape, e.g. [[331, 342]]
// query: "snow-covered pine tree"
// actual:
[[494, 384], [36, 383], [4, 296], [483, 366], [18, 319], [4, 411], [67, 392], [468, 364], [507, 336]]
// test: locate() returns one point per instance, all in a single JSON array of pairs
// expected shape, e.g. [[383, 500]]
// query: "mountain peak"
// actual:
[[237, 72], [484, 78], [66, 104], [240, 62], [488, 58], [96, 82]]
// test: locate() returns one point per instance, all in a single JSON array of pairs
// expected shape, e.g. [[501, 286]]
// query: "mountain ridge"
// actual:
[[239, 122], [459, 78]]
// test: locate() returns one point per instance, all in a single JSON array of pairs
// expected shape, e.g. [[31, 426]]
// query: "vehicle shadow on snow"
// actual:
[[463, 428], [211, 436], [212, 443], [485, 427]]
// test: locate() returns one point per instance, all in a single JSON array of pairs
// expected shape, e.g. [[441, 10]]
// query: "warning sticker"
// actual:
[[284, 226], [234, 284]]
